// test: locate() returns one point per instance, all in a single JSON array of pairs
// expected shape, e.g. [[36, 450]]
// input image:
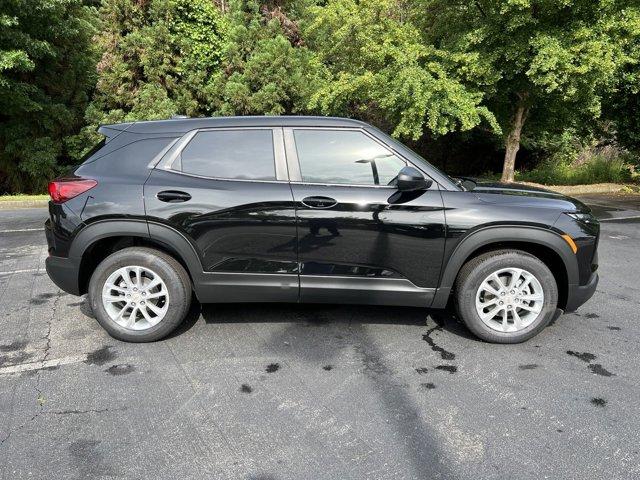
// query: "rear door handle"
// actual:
[[319, 202], [173, 196]]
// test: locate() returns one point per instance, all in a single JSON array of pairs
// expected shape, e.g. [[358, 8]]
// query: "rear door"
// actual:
[[226, 190], [359, 239]]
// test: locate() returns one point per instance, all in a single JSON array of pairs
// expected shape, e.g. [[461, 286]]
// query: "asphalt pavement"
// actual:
[[312, 392]]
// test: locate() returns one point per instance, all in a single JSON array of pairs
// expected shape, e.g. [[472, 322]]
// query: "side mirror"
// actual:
[[410, 180]]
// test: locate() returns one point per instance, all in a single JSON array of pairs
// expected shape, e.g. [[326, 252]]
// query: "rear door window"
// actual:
[[230, 154]]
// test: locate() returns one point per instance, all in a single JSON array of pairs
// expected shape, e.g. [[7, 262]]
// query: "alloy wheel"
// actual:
[[135, 297], [509, 300]]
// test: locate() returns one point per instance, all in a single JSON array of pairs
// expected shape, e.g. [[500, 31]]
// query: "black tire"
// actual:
[[168, 268], [474, 272]]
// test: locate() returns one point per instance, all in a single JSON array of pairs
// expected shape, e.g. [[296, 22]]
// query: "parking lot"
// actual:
[[307, 391]]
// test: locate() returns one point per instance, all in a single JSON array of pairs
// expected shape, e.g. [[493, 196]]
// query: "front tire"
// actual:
[[139, 294], [506, 296]]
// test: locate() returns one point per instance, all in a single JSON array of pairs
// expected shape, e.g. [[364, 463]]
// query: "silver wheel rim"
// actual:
[[135, 297], [509, 300]]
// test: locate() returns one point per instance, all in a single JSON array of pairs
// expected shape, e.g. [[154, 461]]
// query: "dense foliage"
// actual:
[[476, 79], [47, 70]]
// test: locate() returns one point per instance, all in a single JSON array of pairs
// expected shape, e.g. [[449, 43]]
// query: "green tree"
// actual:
[[47, 70], [266, 69], [381, 71], [551, 61], [622, 107], [157, 57]]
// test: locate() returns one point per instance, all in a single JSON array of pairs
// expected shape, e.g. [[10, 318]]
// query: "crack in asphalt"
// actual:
[[80, 412], [40, 398]]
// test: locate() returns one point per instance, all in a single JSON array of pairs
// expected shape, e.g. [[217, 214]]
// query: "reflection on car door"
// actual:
[[224, 193], [359, 239]]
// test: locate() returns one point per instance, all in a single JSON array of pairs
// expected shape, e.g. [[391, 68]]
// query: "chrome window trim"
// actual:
[[168, 163], [279, 154], [292, 156], [162, 153], [220, 179]]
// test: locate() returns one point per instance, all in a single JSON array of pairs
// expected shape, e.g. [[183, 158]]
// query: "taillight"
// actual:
[[63, 189]]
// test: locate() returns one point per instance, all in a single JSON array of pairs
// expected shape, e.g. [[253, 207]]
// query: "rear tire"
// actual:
[[506, 296], [139, 294]]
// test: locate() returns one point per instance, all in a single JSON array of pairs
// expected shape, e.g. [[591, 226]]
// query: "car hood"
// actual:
[[520, 194]]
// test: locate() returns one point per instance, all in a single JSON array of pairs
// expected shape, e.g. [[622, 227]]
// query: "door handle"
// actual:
[[319, 202], [173, 196]]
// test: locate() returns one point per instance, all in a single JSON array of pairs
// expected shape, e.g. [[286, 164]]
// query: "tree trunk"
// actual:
[[512, 143]]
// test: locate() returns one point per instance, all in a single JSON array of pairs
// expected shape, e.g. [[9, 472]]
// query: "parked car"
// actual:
[[306, 209]]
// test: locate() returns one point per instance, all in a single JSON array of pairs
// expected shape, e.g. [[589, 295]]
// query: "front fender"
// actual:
[[485, 236]]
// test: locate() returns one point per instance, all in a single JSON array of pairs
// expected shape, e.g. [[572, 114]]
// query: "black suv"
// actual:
[[306, 209]]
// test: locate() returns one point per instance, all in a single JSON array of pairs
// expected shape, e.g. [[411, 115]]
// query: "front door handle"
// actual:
[[319, 202], [173, 196]]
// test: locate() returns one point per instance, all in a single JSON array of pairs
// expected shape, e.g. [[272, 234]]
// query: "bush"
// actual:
[[597, 169]]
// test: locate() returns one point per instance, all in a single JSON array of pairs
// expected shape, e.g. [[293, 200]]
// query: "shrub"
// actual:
[[596, 169]]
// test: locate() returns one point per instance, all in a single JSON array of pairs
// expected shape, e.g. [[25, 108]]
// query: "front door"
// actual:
[[359, 239], [226, 191]]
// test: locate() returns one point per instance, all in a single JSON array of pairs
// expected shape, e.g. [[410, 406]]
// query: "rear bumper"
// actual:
[[64, 273], [579, 294]]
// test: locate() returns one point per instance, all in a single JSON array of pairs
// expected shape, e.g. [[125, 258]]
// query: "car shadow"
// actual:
[[312, 315], [317, 335]]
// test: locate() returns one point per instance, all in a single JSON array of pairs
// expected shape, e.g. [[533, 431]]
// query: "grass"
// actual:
[[22, 197], [597, 170]]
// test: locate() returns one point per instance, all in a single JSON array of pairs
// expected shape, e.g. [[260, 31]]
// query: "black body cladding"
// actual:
[[282, 238]]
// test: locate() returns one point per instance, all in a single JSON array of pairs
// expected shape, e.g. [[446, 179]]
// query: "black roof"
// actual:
[[181, 125]]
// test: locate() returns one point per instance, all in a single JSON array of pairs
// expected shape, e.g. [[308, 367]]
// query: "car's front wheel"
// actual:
[[139, 294], [506, 296]]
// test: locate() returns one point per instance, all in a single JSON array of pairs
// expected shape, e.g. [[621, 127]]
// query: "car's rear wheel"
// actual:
[[139, 294], [506, 296]]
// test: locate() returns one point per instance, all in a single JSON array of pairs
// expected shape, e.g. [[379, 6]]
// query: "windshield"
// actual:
[[466, 183], [437, 175]]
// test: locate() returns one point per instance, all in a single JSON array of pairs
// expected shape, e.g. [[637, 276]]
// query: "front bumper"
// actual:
[[64, 272], [577, 295]]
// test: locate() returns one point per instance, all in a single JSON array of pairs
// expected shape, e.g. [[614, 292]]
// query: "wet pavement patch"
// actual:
[[246, 388], [598, 402], [422, 370], [272, 367], [101, 356], [595, 368], [120, 369], [600, 370], [327, 367], [447, 368], [444, 354], [41, 299], [13, 346], [585, 357], [528, 366]]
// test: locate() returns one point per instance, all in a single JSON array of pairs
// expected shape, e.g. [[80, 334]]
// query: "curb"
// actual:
[[10, 204], [585, 189]]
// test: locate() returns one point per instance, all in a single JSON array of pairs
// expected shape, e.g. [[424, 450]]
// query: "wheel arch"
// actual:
[[544, 244], [97, 241]]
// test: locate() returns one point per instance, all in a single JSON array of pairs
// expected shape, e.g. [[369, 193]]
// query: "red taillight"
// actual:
[[63, 189]]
